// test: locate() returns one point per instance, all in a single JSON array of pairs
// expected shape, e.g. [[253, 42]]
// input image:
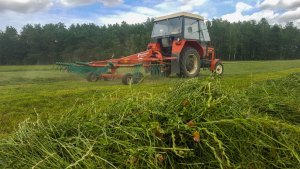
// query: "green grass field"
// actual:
[[249, 118], [31, 91]]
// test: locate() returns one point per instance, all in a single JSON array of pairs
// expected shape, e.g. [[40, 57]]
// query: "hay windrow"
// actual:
[[279, 99], [197, 124]]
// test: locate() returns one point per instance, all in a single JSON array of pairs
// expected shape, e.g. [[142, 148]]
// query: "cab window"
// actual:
[[167, 27], [204, 35], [191, 29]]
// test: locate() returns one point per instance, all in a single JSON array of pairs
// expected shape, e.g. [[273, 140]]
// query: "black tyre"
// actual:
[[138, 77], [189, 63], [92, 77], [219, 69], [127, 79]]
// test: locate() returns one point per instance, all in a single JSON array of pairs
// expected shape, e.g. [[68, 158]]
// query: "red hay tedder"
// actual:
[[179, 46]]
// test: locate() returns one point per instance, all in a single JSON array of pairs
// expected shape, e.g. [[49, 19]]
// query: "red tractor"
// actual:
[[178, 46]]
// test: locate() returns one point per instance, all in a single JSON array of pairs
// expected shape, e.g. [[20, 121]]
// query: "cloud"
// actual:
[[72, 3], [128, 17], [178, 5], [268, 4], [189, 5], [240, 7], [274, 4], [237, 16], [111, 2], [30, 6], [135, 15], [290, 15], [268, 9], [18, 20], [140, 14], [146, 11], [24, 6], [17, 13]]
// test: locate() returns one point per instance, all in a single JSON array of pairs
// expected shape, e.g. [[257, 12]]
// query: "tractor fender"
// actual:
[[197, 46], [178, 46], [213, 64]]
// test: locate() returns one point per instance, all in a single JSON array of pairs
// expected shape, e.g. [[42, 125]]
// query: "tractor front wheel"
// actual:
[[92, 77], [189, 63], [219, 69]]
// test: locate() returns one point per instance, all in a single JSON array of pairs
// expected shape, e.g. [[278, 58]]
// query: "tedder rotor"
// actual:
[[178, 46]]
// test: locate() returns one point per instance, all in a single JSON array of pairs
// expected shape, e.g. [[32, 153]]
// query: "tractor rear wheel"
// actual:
[[189, 63], [92, 77], [127, 79], [219, 68]]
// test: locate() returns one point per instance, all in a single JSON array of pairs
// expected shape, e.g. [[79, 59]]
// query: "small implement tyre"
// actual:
[[219, 69], [189, 63], [127, 79], [92, 77], [138, 77]]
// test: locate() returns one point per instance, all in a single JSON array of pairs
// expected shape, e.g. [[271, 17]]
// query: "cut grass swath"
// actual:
[[196, 124]]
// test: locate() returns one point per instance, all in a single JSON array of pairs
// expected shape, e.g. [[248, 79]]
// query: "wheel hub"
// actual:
[[219, 69], [191, 64]]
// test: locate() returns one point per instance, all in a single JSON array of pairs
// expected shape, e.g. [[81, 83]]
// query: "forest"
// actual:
[[50, 43]]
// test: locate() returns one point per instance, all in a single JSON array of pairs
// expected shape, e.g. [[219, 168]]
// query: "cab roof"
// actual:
[[186, 14]]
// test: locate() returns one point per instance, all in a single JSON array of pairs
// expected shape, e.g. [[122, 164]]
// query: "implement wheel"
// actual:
[[92, 77], [127, 79], [219, 69], [189, 63], [138, 77]]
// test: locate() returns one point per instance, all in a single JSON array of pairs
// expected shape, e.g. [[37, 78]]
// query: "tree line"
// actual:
[[250, 40], [50, 43]]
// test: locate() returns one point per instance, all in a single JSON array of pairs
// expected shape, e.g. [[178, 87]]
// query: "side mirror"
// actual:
[[190, 29]]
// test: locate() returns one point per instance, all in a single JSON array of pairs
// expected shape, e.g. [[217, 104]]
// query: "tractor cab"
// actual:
[[179, 26]]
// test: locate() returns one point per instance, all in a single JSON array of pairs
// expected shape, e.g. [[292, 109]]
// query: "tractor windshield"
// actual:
[[167, 27]]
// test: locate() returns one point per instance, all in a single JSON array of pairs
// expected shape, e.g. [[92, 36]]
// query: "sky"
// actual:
[[18, 13]]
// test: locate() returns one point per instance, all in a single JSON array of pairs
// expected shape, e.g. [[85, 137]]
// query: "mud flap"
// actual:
[[175, 67]]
